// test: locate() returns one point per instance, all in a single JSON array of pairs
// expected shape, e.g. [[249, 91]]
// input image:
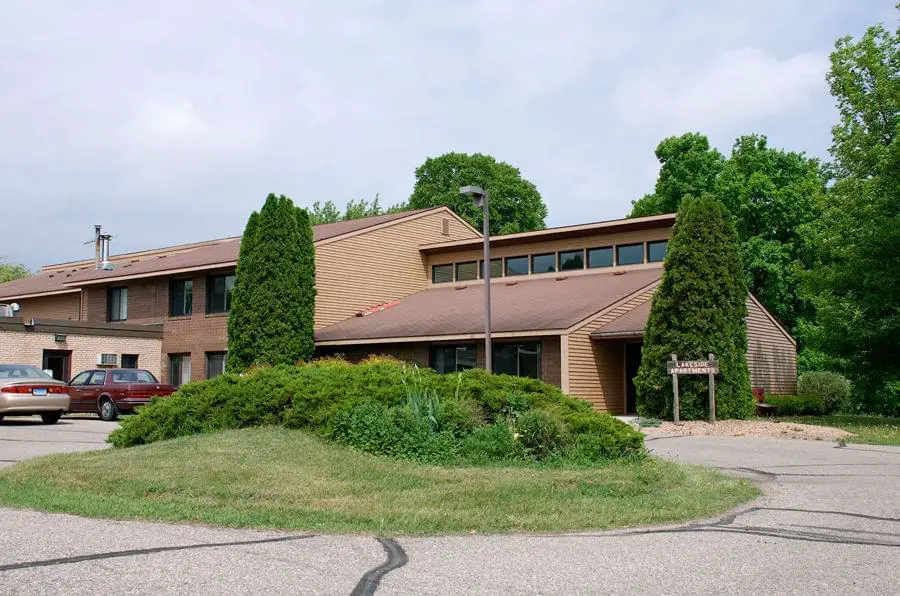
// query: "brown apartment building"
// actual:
[[569, 304]]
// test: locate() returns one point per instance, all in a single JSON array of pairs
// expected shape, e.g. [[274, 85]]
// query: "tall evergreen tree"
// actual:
[[699, 307], [273, 301]]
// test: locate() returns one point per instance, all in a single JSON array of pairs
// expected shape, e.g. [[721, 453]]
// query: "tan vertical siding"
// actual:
[[60, 306], [597, 369], [377, 266], [771, 355]]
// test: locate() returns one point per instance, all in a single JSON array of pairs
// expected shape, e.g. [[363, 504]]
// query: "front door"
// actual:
[[58, 361], [632, 364]]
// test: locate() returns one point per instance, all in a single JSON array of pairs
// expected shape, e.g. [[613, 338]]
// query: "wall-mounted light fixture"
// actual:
[[60, 337]]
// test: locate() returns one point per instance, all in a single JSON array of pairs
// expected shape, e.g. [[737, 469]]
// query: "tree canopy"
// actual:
[[271, 320], [515, 203], [327, 212], [771, 194], [12, 271], [856, 283], [699, 307]]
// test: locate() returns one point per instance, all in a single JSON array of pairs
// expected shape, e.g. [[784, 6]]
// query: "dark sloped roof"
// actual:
[[631, 323], [536, 304], [223, 252]]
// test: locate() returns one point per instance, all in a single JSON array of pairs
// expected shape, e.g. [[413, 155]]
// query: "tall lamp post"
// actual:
[[480, 199]]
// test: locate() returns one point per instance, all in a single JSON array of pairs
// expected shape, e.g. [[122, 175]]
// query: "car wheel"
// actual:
[[108, 410], [51, 417]]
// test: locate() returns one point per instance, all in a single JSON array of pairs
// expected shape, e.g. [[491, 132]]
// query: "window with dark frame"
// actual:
[[516, 266], [467, 271], [452, 358], [656, 251], [496, 268], [215, 364], [518, 359], [129, 361], [179, 369], [181, 297], [218, 293], [117, 304], [629, 254], [543, 263], [441, 274], [571, 259], [600, 257]]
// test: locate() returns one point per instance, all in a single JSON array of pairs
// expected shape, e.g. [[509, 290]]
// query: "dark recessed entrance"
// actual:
[[58, 361], [632, 363]]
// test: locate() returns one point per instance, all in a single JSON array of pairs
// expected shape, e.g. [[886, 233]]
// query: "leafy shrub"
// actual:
[[797, 405], [832, 387], [389, 408]]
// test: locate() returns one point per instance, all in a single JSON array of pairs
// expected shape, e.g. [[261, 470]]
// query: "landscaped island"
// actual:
[[378, 447]]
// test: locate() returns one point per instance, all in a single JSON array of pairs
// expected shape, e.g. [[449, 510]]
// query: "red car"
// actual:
[[109, 392]]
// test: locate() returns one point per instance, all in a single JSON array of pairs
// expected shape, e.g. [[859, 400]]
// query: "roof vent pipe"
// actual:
[[104, 252], [97, 259]]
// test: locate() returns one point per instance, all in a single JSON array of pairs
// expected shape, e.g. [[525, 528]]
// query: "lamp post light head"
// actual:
[[475, 192]]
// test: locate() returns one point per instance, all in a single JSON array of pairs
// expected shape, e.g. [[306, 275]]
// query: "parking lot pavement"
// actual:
[[22, 437], [830, 522]]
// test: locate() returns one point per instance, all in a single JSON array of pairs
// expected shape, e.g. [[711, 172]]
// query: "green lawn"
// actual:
[[875, 430], [279, 478]]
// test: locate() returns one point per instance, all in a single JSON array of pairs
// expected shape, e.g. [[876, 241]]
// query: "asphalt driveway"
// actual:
[[22, 437], [830, 522]]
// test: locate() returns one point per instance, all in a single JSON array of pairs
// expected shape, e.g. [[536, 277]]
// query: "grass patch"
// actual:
[[281, 478], [874, 430]]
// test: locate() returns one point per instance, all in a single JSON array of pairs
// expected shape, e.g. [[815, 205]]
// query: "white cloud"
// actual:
[[735, 86]]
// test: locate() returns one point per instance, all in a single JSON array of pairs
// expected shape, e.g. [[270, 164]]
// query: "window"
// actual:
[[117, 304], [656, 251], [496, 268], [81, 378], [215, 364], [520, 360], [600, 257], [133, 376], [218, 293], [629, 254], [441, 274], [179, 369], [98, 378], [449, 359], [517, 265], [543, 263], [571, 259], [181, 297], [129, 360], [466, 271]]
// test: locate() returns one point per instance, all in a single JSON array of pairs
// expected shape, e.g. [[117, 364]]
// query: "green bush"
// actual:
[[797, 405], [390, 408], [831, 387]]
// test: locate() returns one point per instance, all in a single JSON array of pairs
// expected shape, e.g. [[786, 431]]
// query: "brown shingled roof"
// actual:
[[215, 253], [630, 324], [526, 305]]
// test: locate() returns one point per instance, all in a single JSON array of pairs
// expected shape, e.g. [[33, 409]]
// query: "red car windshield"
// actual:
[[22, 371], [133, 376]]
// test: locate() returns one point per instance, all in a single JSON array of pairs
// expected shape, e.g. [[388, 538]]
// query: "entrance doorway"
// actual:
[[60, 362], [632, 364]]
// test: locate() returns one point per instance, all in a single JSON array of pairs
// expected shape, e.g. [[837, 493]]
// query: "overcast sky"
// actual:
[[169, 122]]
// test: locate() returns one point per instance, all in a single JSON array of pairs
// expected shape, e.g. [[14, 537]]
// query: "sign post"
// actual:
[[709, 367]]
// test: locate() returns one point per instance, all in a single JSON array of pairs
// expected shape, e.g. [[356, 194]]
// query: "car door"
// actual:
[[76, 388], [90, 393]]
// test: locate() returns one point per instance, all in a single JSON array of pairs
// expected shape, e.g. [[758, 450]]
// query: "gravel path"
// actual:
[[749, 428]]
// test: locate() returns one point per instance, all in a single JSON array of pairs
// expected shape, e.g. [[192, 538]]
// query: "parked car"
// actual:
[[109, 392], [26, 390]]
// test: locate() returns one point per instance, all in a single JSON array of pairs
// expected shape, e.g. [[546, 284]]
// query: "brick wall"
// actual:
[[60, 306], [28, 347]]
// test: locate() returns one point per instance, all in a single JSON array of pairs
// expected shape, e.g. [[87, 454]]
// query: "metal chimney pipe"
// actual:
[[97, 247]]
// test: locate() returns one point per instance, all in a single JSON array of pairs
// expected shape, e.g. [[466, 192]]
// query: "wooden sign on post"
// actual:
[[709, 367]]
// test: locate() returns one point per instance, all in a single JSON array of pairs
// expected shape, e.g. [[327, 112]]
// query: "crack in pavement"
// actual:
[[396, 559], [144, 551]]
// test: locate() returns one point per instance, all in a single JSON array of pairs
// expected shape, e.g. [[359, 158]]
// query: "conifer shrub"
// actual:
[[273, 300], [699, 308], [832, 388], [391, 408]]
